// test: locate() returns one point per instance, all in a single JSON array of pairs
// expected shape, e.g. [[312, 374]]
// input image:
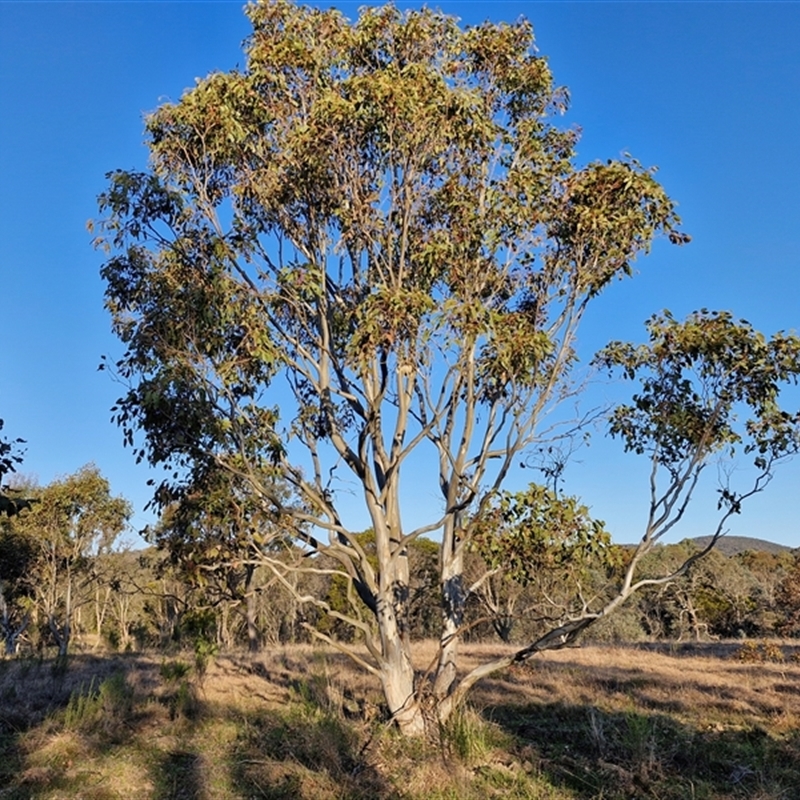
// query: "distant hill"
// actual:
[[731, 545]]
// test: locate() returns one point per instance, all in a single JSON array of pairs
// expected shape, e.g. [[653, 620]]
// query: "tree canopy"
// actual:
[[51, 550]]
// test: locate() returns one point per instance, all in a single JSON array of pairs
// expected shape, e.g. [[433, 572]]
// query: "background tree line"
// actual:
[[64, 583]]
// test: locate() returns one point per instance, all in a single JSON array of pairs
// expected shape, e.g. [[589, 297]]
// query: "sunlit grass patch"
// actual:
[[586, 724]]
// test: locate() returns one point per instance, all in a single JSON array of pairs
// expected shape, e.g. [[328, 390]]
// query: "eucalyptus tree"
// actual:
[[365, 255], [215, 533], [74, 520]]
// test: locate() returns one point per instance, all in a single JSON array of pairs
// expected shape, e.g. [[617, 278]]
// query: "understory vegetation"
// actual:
[[680, 721], [130, 601]]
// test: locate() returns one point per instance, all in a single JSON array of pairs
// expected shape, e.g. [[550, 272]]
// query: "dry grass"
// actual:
[[301, 722]]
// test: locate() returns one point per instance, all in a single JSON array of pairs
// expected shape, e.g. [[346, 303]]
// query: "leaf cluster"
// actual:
[[214, 529], [10, 457], [76, 516], [535, 531], [706, 383]]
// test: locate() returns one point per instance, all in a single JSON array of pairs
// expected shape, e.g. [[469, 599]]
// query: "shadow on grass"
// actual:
[[311, 740], [304, 752], [635, 755], [150, 712], [724, 650], [178, 776], [11, 765], [55, 716]]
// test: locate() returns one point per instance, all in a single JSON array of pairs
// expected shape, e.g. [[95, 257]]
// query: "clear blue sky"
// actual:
[[709, 92]]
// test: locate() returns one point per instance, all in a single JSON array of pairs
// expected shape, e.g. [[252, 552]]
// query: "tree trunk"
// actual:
[[453, 601], [62, 634], [397, 675], [67, 633], [251, 613], [396, 669], [10, 633], [122, 613], [100, 611], [253, 636], [220, 626]]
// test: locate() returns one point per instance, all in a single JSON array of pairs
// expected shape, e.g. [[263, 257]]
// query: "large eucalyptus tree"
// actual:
[[367, 253]]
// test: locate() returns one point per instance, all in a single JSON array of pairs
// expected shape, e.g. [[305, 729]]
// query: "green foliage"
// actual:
[[116, 694], [697, 377], [84, 704], [11, 503], [199, 627], [204, 652], [211, 527], [17, 557], [534, 531], [180, 698], [9, 454], [99, 706], [174, 671], [77, 515], [366, 235], [467, 737]]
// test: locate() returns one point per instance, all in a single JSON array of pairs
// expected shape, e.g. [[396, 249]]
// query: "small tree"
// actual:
[[543, 552], [367, 253], [74, 520], [768, 570], [215, 533], [17, 561], [710, 391]]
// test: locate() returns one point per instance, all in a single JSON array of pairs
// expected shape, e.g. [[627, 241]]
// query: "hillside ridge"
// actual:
[[732, 545]]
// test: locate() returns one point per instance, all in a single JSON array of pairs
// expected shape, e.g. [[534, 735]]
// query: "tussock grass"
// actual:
[[614, 723]]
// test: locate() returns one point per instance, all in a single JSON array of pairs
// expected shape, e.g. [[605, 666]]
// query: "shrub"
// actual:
[[755, 653]]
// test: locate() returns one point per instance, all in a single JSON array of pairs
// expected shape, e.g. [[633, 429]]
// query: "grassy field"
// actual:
[[593, 722]]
